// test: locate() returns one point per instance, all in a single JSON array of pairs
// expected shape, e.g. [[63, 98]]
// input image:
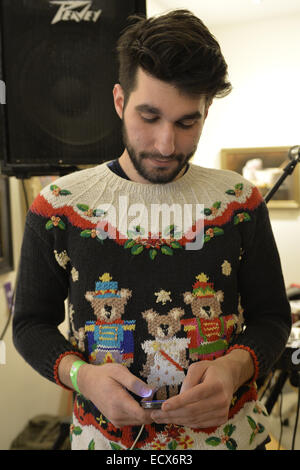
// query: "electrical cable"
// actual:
[[9, 317], [266, 388], [281, 423], [137, 438]]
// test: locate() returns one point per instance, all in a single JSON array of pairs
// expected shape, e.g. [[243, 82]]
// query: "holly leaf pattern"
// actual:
[[49, 225], [62, 225], [231, 192], [231, 444], [251, 422], [91, 445], [229, 429], [175, 245], [83, 207], [172, 445], [129, 243], [137, 249], [77, 430], [213, 441], [85, 233], [64, 192], [115, 446], [153, 253], [218, 231], [260, 428], [166, 250]]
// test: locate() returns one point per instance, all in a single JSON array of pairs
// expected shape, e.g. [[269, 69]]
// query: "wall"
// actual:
[[23, 392], [262, 111]]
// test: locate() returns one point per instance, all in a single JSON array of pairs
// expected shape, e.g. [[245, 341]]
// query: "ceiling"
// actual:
[[218, 12]]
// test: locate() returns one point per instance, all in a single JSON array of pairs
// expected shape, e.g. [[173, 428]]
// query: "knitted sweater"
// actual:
[[141, 294]]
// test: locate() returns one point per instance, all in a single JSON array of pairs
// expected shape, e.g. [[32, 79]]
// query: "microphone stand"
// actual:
[[288, 170], [285, 364]]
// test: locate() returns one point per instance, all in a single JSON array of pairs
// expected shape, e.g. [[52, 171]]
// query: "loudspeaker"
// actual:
[[58, 62]]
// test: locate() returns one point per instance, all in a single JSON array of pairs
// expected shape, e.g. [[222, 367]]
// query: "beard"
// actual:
[[159, 175]]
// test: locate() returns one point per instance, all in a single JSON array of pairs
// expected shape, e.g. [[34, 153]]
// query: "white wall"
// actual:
[[262, 111], [23, 392]]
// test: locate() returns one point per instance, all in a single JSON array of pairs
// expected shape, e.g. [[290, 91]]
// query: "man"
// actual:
[[150, 312]]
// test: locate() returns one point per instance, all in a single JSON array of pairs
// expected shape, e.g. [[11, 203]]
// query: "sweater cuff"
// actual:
[[56, 365], [254, 358]]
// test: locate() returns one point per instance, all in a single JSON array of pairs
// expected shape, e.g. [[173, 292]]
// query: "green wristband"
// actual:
[[74, 372]]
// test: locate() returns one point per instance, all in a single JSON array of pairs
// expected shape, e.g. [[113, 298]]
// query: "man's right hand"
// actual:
[[106, 386]]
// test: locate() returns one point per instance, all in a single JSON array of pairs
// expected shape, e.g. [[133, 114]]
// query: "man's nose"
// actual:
[[165, 140]]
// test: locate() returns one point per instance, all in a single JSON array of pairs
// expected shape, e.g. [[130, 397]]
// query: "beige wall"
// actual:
[[262, 111], [23, 392]]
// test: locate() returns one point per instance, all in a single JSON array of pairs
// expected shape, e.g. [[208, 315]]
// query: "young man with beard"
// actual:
[[149, 314]]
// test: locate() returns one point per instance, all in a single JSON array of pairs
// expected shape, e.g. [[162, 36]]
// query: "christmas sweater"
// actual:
[[154, 294]]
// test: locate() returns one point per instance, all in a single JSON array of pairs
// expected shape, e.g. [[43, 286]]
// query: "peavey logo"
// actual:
[[70, 11]]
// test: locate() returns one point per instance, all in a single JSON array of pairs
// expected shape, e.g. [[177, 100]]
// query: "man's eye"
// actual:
[[149, 119], [186, 124]]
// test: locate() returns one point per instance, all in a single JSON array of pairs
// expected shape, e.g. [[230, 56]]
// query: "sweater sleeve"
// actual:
[[266, 309], [42, 287]]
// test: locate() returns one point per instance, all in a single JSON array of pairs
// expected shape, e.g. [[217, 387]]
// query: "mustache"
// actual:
[[158, 156]]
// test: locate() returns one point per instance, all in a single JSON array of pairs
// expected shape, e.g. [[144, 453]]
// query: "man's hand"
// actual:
[[106, 386], [207, 391]]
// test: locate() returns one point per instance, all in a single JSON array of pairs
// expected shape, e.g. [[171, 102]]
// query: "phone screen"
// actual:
[[152, 404]]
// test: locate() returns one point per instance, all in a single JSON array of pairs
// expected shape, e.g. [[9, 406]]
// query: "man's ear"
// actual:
[[118, 95]]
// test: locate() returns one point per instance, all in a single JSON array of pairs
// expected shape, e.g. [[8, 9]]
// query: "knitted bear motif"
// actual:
[[110, 339], [166, 354]]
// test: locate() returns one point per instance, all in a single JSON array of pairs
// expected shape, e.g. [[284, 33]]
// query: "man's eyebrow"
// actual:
[[145, 108], [195, 115]]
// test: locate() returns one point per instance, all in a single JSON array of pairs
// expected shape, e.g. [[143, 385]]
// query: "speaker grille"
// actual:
[[59, 80]]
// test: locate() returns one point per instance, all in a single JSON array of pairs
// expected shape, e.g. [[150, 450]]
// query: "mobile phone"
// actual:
[[152, 404]]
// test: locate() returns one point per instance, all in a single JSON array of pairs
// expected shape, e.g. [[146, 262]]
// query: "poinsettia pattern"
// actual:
[[166, 244]]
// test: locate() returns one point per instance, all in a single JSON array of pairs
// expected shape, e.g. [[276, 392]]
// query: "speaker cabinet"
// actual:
[[58, 62]]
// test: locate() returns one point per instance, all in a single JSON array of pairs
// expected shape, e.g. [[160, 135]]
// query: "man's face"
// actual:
[[161, 127]]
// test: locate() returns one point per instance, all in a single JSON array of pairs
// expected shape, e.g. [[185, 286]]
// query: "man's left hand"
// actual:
[[206, 392]]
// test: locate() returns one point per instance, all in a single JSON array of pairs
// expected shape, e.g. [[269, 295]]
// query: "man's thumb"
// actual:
[[194, 376], [133, 383], [141, 389]]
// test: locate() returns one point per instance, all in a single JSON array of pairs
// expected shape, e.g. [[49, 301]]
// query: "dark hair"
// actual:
[[176, 48]]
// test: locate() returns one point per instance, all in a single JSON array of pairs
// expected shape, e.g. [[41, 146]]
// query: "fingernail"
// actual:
[[142, 389], [145, 392]]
